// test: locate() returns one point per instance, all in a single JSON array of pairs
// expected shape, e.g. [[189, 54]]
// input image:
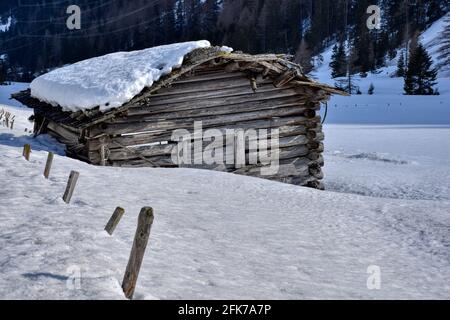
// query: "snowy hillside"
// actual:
[[219, 235], [7, 90], [388, 104]]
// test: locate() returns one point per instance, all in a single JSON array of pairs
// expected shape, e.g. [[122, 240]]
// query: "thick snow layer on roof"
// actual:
[[110, 81]]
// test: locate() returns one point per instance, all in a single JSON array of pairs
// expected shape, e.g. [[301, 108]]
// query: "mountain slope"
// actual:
[[388, 104]]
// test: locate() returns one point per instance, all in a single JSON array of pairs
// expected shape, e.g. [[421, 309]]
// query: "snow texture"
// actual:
[[388, 104], [110, 81], [224, 236], [7, 90]]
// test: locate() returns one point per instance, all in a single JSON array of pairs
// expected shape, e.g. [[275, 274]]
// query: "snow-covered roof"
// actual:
[[112, 80], [98, 89]]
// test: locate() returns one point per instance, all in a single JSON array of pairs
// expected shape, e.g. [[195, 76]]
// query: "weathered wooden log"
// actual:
[[114, 220], [207, 122], [232, 94], [315, 185], [297, 167], [122, 153], [48, 165], [211, 77], [285, 77], [195, 110], [316, 171], [145, 222], [70, 188], [228, 103], [26, 151], [158, 136], [187, 89]]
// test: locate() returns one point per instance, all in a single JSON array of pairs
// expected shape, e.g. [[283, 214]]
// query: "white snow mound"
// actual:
[[110, 81]]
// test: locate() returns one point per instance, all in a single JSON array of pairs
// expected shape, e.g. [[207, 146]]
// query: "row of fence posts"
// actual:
[[142, 234], [8, 118]]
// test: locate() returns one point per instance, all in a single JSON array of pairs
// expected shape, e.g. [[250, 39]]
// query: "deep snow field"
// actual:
[[219, 235]]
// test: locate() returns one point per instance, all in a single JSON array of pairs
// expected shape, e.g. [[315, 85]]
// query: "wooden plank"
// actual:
[[287, 126], [120, 153], [121, 157], [219, 111], [65, 134], [180, 89], [136, 140], [26, 151], [70, 188], [223, 100], [48, 165], [123, 154], [298, 166], [209, 121], [114, 220], [214, 107], [212, 77], [141, 236], [239, 92]]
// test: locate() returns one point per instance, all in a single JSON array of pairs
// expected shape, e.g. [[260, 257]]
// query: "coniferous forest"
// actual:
[[38, 38]]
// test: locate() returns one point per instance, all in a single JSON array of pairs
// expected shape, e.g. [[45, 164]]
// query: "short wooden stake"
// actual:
[[145, 221], [48, 165], [114, 220], [73, 178], [27, 151]]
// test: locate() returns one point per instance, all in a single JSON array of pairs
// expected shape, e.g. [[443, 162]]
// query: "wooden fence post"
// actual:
[[48, 165], [145, 221], [27, 151], [114, 220], [73, 178]]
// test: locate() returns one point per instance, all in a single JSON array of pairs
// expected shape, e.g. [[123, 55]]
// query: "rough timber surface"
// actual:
[[223, 91]]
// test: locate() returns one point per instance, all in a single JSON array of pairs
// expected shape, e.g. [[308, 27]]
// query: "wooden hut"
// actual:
[[223, 90]]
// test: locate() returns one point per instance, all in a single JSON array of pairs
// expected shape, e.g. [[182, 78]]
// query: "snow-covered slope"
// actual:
[[219, 235], [431, 39], [7, 90], [388, 104], [111, 80]]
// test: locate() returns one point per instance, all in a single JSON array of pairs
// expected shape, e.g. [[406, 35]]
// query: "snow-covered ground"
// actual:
[[219, 235], [388, 104], [395, 161]]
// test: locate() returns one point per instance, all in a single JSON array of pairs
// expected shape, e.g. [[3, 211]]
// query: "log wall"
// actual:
[[141, 135]]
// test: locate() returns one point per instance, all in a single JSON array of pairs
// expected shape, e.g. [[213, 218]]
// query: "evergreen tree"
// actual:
[[212, 11], [179, 20], [2, 72], [401, 66], [444, 48], [348, 84], [420, 76], [338, 62]]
